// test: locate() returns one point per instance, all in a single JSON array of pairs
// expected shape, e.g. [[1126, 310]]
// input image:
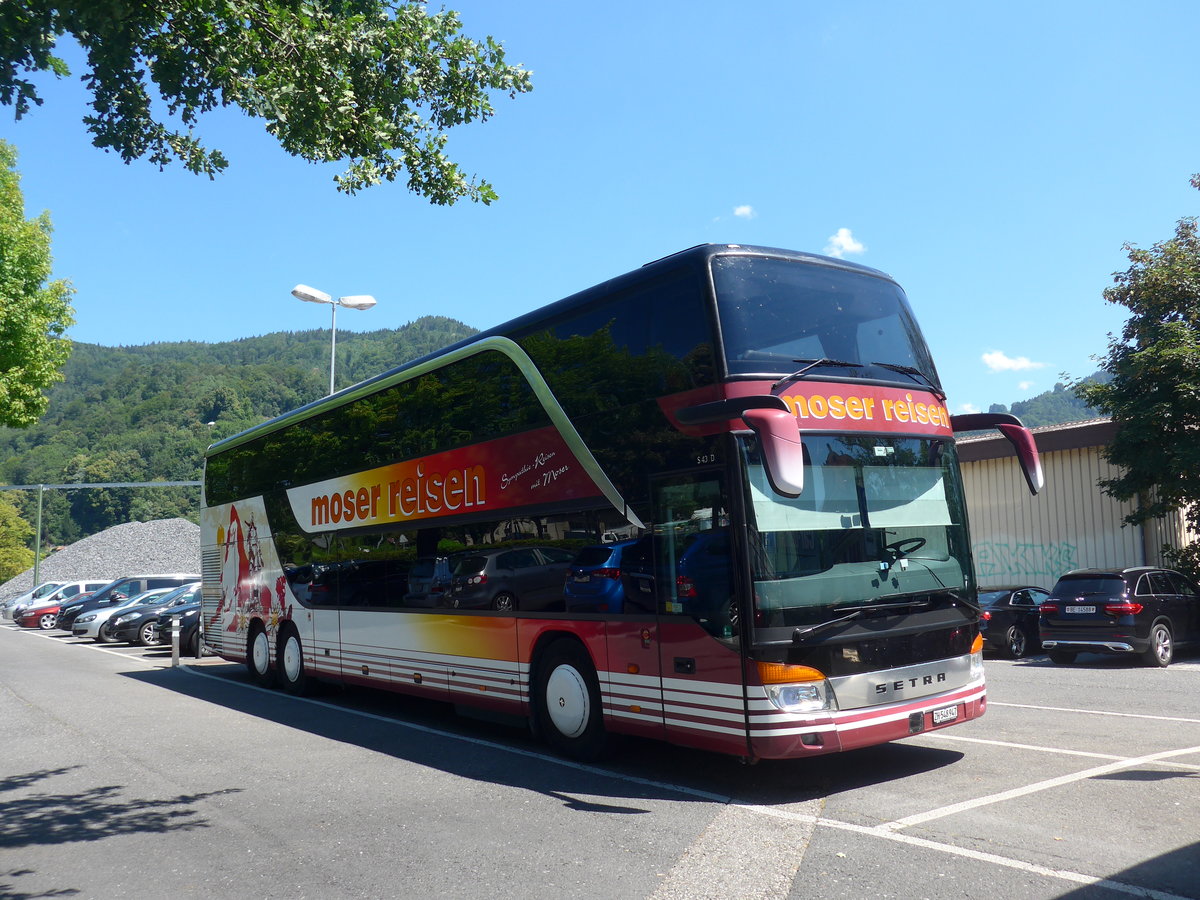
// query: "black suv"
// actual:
[[1138, 610]]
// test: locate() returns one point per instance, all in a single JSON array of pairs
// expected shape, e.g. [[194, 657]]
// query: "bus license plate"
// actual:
[[1079, 609], [945, 714]]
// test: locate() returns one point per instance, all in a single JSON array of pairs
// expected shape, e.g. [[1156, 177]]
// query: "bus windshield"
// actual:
[[779, 315], [881, 518]]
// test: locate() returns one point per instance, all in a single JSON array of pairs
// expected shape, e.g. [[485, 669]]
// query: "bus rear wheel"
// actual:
[[258, 656], [290, 662], [569, 713]]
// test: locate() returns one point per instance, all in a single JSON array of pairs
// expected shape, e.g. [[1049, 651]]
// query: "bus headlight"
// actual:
[[796, 689], [977, 658]]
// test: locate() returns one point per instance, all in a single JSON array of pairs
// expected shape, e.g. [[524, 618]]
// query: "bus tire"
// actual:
[[258, 656], [290, 662], [569, 712]]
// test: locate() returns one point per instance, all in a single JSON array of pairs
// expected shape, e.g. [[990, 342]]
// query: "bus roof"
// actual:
[[695, 258]]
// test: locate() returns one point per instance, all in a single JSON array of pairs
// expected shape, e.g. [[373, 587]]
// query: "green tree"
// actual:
[[1154, 394], [34, 311], [15, 533], [375, 83]]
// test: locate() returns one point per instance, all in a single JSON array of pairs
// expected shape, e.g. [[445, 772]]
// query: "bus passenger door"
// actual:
[[699, 651], [323, 643]]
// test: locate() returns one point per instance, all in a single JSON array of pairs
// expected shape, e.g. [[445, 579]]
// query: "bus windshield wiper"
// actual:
[[801, 634], [812, 364], [916, 375], [965, 602], [808, 631]]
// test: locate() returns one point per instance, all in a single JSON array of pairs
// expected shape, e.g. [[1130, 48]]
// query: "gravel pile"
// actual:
[[135, 548]]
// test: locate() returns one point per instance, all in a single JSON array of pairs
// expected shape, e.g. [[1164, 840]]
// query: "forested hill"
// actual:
[[146, 413], [1052, 407]]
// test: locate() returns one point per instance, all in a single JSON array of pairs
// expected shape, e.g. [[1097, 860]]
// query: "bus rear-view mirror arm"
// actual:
[[1018, 435], [778, 435]]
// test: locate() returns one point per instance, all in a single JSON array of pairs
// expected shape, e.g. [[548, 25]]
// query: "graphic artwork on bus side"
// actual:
[[246, 575]]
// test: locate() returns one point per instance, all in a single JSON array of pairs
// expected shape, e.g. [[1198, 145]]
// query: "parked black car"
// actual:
[[428, 580], [116, 591], [140, 624], [189, 627], [1010, 618], [1139, 610]]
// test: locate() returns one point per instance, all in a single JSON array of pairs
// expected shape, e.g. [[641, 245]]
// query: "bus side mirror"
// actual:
[[782, 451], [778, 433], [1018, 435]]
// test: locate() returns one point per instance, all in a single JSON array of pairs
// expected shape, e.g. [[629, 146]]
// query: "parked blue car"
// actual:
[[594, 579], [700, 585]]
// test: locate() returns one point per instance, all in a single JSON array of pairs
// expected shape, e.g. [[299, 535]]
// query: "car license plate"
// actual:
[[945, 714], [583, 579], [1079, 609]]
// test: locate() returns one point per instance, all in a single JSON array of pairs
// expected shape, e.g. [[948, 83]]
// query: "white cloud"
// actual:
[[968, 408], [1026, 385], [999, 361], [745, 211], [843, 242]]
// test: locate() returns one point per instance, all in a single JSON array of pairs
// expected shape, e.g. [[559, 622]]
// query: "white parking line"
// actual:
[[131, 657], [1046, 785], [954, 738], [1095, 712], [977, 855]]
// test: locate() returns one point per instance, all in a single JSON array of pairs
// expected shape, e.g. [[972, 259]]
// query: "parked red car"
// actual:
[[40, 615], [45, 615]]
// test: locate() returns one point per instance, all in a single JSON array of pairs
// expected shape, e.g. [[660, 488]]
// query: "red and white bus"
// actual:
[[753, 440]]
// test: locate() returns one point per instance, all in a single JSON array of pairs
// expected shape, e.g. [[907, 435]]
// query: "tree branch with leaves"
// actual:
[[1154, 394], [34, 311], [372, 83]]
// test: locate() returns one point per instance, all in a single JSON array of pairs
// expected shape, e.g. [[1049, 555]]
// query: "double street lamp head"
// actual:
[[355, 301], [312, 295]]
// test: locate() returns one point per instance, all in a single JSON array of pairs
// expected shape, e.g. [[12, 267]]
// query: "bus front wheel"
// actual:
[[570, 716], [258, 656]]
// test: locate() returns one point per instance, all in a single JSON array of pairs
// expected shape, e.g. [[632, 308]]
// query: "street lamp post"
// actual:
[[312, 295]]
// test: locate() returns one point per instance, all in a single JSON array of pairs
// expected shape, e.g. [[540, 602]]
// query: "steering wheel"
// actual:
[[905, 547]]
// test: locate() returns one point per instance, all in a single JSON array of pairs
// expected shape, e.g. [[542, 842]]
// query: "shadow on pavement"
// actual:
[[429, 733]]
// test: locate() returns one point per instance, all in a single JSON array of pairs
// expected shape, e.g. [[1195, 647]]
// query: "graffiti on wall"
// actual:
[[1002, 561]]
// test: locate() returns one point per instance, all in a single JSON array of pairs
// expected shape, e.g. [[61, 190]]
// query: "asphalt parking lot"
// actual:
[[1080, 781]]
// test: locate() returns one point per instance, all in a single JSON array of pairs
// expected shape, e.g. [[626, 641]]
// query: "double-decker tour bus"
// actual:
[[714, 501]]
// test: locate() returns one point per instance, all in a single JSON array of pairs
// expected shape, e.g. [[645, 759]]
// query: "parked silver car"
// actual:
[[10, 608], [88, 624]]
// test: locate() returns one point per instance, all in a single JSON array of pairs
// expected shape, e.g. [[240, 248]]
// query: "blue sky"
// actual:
[[993, 158]]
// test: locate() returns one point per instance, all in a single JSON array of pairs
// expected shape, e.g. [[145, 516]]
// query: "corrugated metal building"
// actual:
[[1071, 524]]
